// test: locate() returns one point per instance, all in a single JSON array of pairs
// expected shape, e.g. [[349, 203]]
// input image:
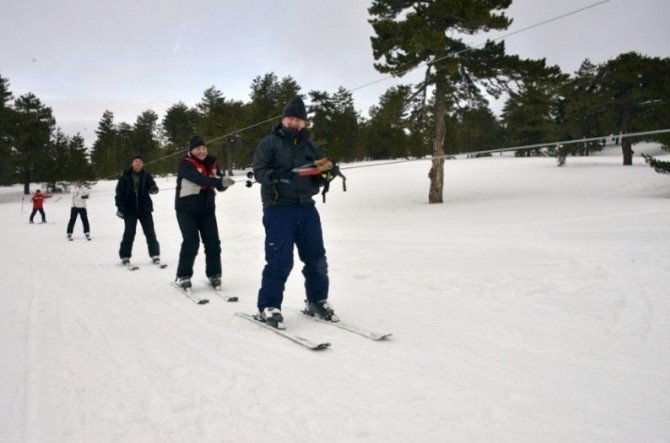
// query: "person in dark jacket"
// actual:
[[197, 178], [133, 204], [290, 216]]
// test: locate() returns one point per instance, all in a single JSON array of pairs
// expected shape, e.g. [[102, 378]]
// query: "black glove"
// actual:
[[153, 190], [119, 213], [227, 182], [84, 196]]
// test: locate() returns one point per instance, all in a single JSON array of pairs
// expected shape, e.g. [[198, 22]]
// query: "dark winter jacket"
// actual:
[[129, 202], [196, 181], [275, 158]]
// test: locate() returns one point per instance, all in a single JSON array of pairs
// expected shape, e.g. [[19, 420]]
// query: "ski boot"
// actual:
[[215, 281], [88, 236], [69, 237], [125, 261], [156, 260], [273, 317], [184, 283], [320, 309]]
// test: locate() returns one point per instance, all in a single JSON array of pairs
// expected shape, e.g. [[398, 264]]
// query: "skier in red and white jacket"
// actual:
[[38, 205]]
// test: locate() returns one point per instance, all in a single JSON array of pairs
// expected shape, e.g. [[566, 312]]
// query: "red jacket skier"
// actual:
[[38, 205]]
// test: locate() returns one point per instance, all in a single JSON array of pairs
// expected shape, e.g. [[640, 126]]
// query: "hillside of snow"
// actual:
[[531, 306]]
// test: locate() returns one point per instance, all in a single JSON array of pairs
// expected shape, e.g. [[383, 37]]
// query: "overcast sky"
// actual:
[[82, 57]]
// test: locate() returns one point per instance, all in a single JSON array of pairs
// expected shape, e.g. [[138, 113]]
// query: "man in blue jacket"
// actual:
[[290, 216]]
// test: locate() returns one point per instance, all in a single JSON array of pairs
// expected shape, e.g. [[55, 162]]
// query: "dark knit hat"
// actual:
[[195, 142], [138, 156], [295, 108]]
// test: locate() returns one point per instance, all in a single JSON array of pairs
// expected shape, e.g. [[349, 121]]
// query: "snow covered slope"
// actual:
[[532, 306]]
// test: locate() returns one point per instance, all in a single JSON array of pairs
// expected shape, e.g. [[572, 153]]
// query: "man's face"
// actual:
[[137, 165], [200, 152], [295, 123]]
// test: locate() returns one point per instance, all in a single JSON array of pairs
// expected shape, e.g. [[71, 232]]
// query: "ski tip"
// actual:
[[204, 301], [231, 299]]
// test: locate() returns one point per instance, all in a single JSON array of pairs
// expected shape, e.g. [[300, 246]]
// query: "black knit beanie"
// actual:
[[195, 142], [295, 108]]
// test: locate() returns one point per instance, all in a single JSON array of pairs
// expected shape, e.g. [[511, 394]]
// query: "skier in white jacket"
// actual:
[[79, 197]]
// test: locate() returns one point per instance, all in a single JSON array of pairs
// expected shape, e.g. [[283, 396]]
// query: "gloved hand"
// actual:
[[227, 182], [153, 190], [85, 196], [119, 213], [324, 164]]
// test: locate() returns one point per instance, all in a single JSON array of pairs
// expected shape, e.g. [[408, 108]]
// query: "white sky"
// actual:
[[82, 57]]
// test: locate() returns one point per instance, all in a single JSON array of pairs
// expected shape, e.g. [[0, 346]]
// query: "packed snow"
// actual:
[[532, 305]]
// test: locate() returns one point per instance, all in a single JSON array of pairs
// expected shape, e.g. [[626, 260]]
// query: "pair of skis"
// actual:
[[196, 298], [132, 267], [311, 344]]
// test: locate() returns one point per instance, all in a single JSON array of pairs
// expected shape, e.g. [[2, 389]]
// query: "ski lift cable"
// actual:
[[516, 148]]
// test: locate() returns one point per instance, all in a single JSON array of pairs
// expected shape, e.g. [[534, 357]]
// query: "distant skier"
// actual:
[[79, 197], [134, 204], [38, 205], [197, 177], [290, 216]]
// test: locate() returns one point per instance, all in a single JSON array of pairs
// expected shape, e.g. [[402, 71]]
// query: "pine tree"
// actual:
[[388, 128], [662, 167], [529, 115], [179, 124], [428, 33], [583, 110], [7, 133], [78, 166], [335, 123], [216, 118], [477, 129], [124, 149], [144, 138], [103, 157], [34, 126], [636, 88]]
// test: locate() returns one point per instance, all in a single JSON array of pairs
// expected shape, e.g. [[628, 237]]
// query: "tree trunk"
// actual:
[[436, 173], [627, 149], [26, 181], [626, 144]]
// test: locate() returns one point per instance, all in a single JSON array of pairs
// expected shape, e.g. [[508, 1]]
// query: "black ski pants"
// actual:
[[41, 211], [73, 219], [146, 220], [193, 226]]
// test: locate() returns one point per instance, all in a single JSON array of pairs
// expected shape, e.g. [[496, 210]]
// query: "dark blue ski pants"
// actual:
[[286, 226]]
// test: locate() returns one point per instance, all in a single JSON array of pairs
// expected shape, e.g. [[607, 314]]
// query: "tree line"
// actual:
[[448, 113]]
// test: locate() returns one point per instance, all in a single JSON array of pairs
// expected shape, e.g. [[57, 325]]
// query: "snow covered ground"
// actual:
[[532, 306]]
